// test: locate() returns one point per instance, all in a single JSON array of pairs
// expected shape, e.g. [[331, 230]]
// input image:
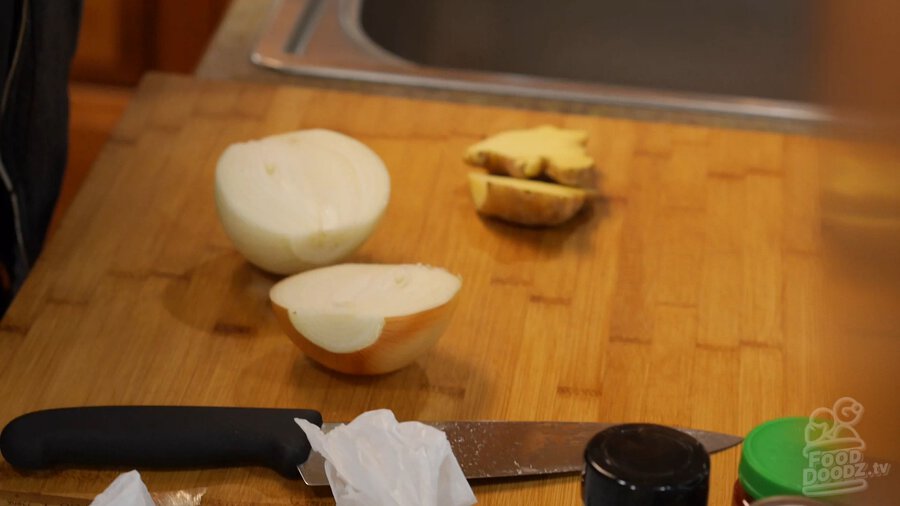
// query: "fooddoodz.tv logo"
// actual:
[[834, 452]]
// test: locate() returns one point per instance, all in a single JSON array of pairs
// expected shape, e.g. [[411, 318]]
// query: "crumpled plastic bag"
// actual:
[[376, 461], [126, 490]]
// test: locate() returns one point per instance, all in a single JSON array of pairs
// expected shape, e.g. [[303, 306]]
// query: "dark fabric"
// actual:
[[34, 124]]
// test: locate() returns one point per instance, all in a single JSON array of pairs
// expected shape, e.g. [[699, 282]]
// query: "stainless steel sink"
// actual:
[[747, 58]]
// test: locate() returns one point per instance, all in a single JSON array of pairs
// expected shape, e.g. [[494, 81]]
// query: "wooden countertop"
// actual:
[[688, 295]]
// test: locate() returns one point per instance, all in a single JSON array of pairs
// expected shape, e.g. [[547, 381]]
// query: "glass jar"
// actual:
[[772, 461], [783, 500]]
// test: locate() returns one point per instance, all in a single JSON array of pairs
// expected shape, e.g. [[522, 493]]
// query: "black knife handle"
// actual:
[[158, 437]]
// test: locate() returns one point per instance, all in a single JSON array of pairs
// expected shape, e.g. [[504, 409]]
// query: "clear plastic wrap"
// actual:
[[190, 497], [128, 489]]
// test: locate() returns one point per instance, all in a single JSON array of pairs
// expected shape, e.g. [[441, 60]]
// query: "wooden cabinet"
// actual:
[[122, 39]]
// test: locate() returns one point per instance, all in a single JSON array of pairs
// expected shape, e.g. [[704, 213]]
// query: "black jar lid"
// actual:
[[645, 465]]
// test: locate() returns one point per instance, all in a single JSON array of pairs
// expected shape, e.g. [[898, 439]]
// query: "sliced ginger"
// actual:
[[523, 201], [555, 152]]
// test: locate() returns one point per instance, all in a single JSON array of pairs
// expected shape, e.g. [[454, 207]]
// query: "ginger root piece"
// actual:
[[523, 201], [558, 153]]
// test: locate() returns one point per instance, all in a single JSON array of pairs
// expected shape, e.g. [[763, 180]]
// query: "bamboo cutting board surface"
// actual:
[[687, 295]]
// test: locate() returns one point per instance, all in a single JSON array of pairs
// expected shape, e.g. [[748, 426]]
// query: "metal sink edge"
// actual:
[[324, 39]]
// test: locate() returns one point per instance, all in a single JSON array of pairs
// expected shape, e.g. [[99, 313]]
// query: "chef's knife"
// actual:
[[173, 437]]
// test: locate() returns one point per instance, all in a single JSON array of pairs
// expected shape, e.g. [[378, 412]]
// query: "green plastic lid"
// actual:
[[772, 459]]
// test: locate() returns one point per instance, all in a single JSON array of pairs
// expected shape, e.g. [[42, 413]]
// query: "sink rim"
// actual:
[[337, 47]]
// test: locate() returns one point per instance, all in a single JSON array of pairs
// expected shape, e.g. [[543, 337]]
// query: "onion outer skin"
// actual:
[[403, 339]]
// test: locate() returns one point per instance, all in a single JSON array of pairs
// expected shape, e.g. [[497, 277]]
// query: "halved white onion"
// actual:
[[299, 200], [366, 318]]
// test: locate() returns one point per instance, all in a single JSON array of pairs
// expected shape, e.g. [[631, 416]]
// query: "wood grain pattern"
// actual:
[[687, 295], [94, 112]]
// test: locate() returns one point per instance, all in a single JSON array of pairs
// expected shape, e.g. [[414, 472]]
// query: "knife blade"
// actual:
[[191, 437], [500, 449]]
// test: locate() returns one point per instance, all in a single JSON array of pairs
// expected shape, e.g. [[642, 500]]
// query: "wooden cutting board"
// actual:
[[687, 295]]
